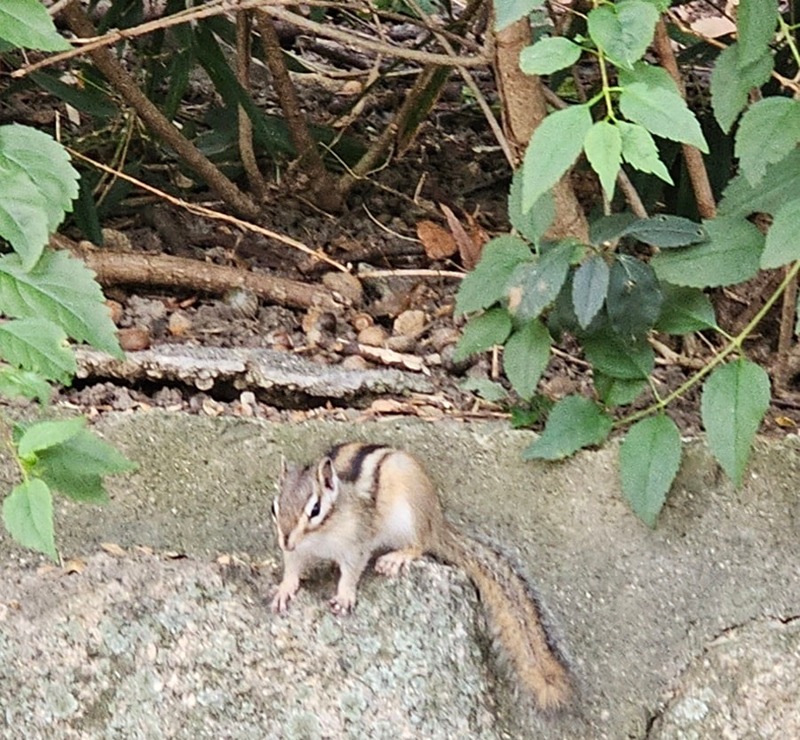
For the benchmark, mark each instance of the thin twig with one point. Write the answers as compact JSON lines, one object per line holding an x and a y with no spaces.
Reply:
{"x":695,"y":166}
{"x":413,"y":273}
{"x":210,"y":213}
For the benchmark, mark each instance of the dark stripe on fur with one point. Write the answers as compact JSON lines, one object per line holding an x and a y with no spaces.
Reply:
{"x":352,"y":471}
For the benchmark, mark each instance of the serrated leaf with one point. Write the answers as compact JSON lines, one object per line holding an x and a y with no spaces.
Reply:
{"x":685,"y":310}
{"x":663,"y":113}
{"x":634,"y":299}
{"x":76,"y":467}
{"x":37,"y":345}
{"x":525,"y":357}
{"x":487,"y":283}
{"x":608,"y":353}
{"x":63,"y":290}
{"x":535,"y":285}
{"x":27,"y":24}
{"x":44,"y":434}
{"x":731,"y":84}
{"x":615,"y":392}
{"x":589,"y":288}
{"x":40,"y":185}
{"x":485,"y":388}
{"x":741,"y":198}
{"x":534,"y":222}
{"x":768,"y":131}
{"x":755,"y":22}
{"x":553,"y":148}
{"x":649,"y":459}
{"x":575,"y":422}
{"x":549,"y":55}
{"x":667,"y":232}
{"x":782,"y":244}
{"x":483,"y":332}
{"x":507,"y":12}
{"x":603,"y":147}
{"x":735,"y":398}
{"x":15,"y":383}
{"x":623,"y":30}
{"x":639,"y":150}
{"x":731,"y":255}
{"x":28,"y":516}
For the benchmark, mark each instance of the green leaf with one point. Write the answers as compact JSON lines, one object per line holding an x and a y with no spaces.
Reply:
{"x":39,"y":187}
{"x":731,"y":84}
{"x":37,"y":345}
{"x":44,"y":434}
{"x":589,"y":288}
{"x":549,"y":55}
{"x":26,"y":23}
{"x":574,"y":423}
{"x":768,"y":131}
{"x":634,"y":297}
{"x":667,"y":232}
{"x":525,"y":357}
{"x":535,"y":285}
{"x":782,"y":245}
{"x":507,"y":12}
{"x":735,"y":398}
{"x":649,"y":459}
{"x":781,"y":181}
{"x":623,"y":30}
{"x":485,"y":388}
{"x":755,"y":22}
{"x":554,"y":146}
{"x":61,"y":289}
{"x":606,"y":230}
{"x":603,"y":147}
{"x":731,"y":255}
{"x":662,"y":112}
{"x":617,"y":391}
{"x":483,"y":332}
{"x":685,"y":310}
{"x":28,"y":516}
{"x":534,"y":222}
{"x":487,"y":283}
{"x":639,"y":150}
{"x":613,"y":356}
{"x":77,"y":466}
{"x":15,"y":383}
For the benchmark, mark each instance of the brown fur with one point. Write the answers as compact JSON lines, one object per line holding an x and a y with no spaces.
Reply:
{"x":386,"y":503}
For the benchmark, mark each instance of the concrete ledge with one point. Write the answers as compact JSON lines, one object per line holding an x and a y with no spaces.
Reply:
{"x":635,"y":609}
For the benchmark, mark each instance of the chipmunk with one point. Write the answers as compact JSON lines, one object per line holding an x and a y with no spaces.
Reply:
{"x":360,"y":500}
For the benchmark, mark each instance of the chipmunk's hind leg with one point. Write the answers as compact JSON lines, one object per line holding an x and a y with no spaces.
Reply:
{"x":395,"y":561}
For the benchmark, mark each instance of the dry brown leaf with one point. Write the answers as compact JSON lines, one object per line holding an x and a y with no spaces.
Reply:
{"x":478,"y":234}
{"x":74,"y":565}
{"x":436,"y":241}
{"x":134,"y":339}
{"x":113,"y":549}
{"x":469,"y":251}
{"x":391,"y":406}
{"x":392,"y":358}
{"x":785,"y":422}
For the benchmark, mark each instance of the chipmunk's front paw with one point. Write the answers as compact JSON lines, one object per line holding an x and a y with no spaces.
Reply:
{"x":284,"y":594}
{"x":342,"y":604}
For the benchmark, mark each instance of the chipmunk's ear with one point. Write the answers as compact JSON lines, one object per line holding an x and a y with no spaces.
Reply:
{"x":327,"y":478}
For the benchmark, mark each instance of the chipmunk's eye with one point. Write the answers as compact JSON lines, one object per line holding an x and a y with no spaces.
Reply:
{"x":314,"y":510}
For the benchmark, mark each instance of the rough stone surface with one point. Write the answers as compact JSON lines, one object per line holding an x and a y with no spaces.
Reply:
{"x":145,"y":647}
{"x":641,"y":613}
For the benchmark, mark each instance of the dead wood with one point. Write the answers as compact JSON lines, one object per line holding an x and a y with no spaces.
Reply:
{"x":130,"y":268}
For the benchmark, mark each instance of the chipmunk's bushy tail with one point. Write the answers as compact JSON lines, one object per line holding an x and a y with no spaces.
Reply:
{"x":515,"y":617}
